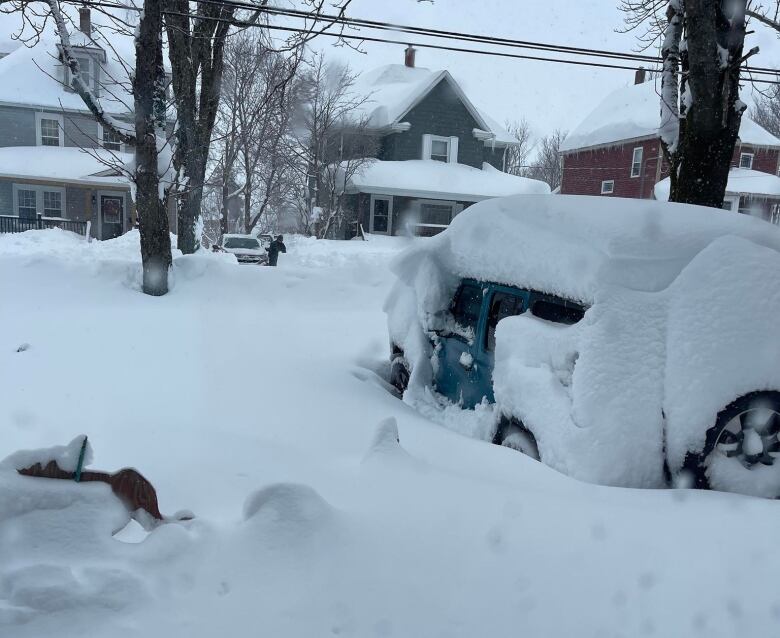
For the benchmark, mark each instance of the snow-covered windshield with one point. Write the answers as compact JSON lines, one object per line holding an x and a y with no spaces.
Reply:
{"x":241,"y":242}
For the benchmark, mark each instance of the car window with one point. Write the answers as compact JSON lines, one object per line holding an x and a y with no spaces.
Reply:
{"x":241,"y":242}
{"x":467,"y":305}
{"x":502,"y":305}
{"x":557,"y":310}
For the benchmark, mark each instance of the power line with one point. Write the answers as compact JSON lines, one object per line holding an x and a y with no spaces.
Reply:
{"x":422,"y":45}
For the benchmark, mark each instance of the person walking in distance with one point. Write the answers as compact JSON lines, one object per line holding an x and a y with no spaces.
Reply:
{"x":277,"y":246}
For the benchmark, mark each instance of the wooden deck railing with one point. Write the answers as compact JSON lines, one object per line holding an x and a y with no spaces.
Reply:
{"x":13,"y":224}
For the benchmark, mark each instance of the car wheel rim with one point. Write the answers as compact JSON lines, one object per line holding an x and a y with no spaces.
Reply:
{"x":751,"y":437}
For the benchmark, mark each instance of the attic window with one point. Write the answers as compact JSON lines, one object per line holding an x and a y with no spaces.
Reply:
{"x":746,"y":160}
{"x":440,"y":149}
{"x":88,"y":69}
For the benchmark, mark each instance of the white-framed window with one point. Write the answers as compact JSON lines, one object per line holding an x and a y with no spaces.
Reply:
{"x":89,"y":70}
{"x":636,"y":162}
{"x":440,"y":148}
{"x":49,"y":129}
{"x":746,"y":160}
{"x":433,"y":216}
{"x":608,"y":187}
{"x":109,"y":139}
{"x":33,"y":199}
{"x":381,"y":222}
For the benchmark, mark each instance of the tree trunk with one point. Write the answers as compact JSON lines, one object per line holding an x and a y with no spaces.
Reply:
{"x":709,"y":121}
{"x":149,"y":98}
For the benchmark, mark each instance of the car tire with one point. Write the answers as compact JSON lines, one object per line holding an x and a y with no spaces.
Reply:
{"x":512,"y":433}
{"x":399,"y":372}
{"x":742,"y":450}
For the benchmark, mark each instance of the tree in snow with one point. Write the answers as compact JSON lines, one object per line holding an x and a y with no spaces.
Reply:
{"x":702,"y":52}
{"x":766,"y":111}
{"x":196,"y":48}
{"x":148,"y":139}
{"x":253,"y":132}
{"x":547,"y":164}
{"x":334,"y":144}
{"x":516,"y":160}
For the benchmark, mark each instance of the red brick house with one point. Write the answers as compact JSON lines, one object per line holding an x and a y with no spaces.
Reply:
{"x":616,"y":151}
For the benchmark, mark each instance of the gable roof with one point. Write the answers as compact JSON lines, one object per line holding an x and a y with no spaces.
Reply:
{"x":634,"y":112}
{"x":395,"y":89}
{"x":33,"y":77}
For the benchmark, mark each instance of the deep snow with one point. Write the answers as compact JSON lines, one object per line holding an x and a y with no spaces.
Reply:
{"x":251,"y":396}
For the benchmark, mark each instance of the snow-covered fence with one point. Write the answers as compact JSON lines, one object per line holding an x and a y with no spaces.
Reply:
{"x":13,"y":224}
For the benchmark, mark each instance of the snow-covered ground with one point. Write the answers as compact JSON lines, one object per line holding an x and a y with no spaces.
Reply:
{"x":254,"y":397}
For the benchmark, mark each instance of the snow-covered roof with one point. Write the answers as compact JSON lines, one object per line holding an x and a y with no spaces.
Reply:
{"x":394,"y":89}
{"x":33,"y":76}
{"x":440,"y":180}
{"x":741,"y":182}
{"x":634,"y":112}
{"x":63,"y":164}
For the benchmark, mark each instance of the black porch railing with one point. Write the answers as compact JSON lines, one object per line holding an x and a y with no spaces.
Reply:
{"x":12,"y":224}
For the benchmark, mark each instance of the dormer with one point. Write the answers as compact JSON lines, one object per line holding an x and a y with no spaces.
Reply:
{"x":90,"y":55}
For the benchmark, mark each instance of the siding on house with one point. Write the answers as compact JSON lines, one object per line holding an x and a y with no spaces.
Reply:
{"x":6,"y":197}
{"x":17,"y":126}
{"x":440,"y":113}
{"x":764,"y":159}
{"x":584,"y":171}
{"x":81,"y":131}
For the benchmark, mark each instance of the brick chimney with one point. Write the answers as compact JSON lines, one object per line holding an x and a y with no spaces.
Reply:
{"x":409,"y":56}
{"x":85,"y":21}
{"x":639,"y":76}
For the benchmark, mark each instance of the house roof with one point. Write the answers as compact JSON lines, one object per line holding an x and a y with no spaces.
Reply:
{"x":70,"y":165}
{"x":439,"y":180}
{"x":32,"y":76}
{"x":394,"y":89}
{"x":741,"y":182}
{"x":633,"y":113}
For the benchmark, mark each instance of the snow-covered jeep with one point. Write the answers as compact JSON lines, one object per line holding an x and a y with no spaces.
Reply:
{"x":621,"y":342}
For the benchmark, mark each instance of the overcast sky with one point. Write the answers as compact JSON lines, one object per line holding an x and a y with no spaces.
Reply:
{"x":547,"y":95}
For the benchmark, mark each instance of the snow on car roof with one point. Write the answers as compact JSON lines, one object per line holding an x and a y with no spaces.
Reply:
{"x":64,"y":163}
{"x":575,"y":245}
{"x":633,"y":112}
{"x":429,"y":178}
{"x":742,"y":181}
{"x":392,"y":90}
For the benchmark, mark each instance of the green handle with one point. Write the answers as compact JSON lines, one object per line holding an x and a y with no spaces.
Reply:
{"x":77,"y":476}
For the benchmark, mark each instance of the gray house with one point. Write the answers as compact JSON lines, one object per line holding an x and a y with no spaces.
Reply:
{"x":58,"y":167}
{"x":437,"y":153}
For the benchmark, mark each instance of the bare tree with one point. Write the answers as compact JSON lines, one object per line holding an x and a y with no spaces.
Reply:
{"x":334,"y":145}
{"x":702,"y":52}
{"x":516,"y":162}
{"x":766,"y":111}
{"x":547,"y":164}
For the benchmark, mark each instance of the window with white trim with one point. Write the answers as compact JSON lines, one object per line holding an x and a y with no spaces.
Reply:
{"x":746,"y":160}
{"x":109,"y":139}
{"x":636,"y":162}
{"x":26,"y":203}
{"x":49,"y":129}
{"x":89,"y":69}
{"x":608,"y":187}
{"x":31,"y":200}
{"x":440,"y":148}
